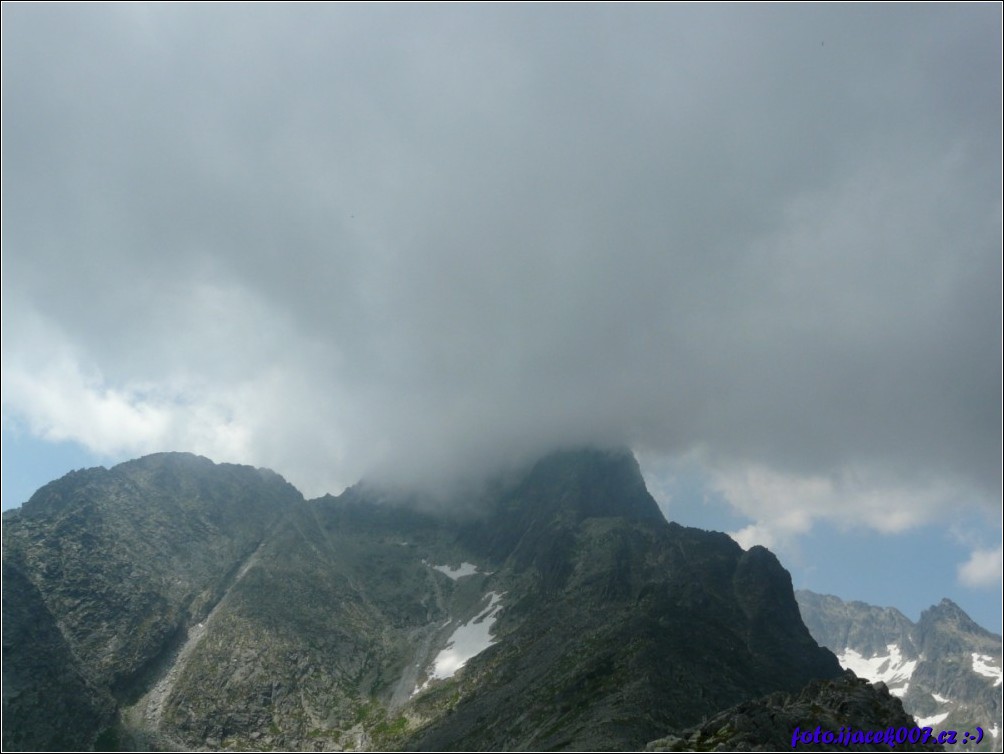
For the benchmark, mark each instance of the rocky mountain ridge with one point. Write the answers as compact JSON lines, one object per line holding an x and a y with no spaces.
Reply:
{"x":171,"y":603}
{"x":945,"y":667}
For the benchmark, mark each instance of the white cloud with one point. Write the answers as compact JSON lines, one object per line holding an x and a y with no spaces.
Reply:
{"x":785,"y":505}
{"x":983,"y":569}
{"x":264,"y":412}
{"x":65,"y":400}
{"x":60,"y":403}
{"x":755,"y":534}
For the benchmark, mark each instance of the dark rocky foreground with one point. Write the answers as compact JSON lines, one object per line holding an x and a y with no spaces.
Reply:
{"x":171,"y":603}
{"x":847,"y":707}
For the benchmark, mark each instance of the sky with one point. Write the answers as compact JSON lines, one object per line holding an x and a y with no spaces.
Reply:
{"x":759,"y":245}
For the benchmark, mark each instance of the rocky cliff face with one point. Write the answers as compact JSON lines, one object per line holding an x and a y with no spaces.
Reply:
{"x":116,"y":565}
{"x":49,"y":703}
{"x":187,"y":605}
{"x":945,"y":668}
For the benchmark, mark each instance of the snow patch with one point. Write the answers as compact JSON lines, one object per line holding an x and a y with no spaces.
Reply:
{"x":455,"y":572}
{"x":938,"y":698}
{"x":982,"y":665}
{"x":468,"y":640}
{"x":891,"y":669}
{"x":994,"y":732}
{"x":929,"y":722}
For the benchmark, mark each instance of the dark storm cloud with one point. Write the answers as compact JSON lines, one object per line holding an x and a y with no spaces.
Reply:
{"x":427,"y":238}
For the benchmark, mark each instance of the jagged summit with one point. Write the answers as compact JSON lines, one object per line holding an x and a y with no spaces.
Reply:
{"x":946,"y":615}
{"x":868,"y":629}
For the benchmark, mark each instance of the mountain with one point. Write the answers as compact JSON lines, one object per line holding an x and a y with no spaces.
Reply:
{"x":945,"y":668}
{"x":172,"y":603}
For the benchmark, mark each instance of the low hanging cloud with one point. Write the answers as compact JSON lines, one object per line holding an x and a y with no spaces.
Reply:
{"x":341,"y":240}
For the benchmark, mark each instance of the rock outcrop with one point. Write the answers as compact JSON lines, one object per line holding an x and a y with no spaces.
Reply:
{"x":842,"y":714}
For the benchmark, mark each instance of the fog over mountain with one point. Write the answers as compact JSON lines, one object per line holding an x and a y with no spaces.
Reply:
{"x":407,"y":243}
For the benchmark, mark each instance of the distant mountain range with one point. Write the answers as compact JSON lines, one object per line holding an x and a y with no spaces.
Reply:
{"x":172,"y":603}
{"x":945,"y":668}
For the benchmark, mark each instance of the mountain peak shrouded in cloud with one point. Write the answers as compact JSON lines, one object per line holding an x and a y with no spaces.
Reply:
{"x":417,"y":244}
{"x":190,"y":605}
